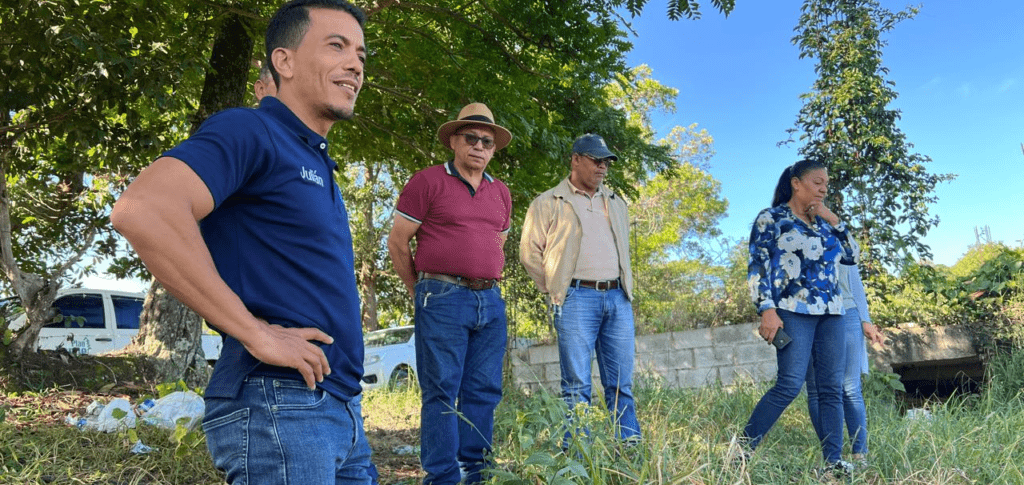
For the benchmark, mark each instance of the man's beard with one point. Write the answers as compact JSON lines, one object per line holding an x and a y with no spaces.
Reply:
{"x":340,"y":114}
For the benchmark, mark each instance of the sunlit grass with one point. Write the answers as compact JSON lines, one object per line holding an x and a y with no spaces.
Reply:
{"x":689,"y":438}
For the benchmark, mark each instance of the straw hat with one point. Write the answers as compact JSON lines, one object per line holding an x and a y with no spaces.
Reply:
{"x":474,"y":114}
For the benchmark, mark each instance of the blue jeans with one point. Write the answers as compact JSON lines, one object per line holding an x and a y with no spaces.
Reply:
{"x":821,"y":335}
{"x":853,"y":399}
{"x":593,"y":320}
{"x":279,"y":432}
{"x":460,"y":349}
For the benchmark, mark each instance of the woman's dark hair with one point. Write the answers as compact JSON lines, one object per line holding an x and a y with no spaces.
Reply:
{"x":290,"y":22}
{"x":784,"y":189}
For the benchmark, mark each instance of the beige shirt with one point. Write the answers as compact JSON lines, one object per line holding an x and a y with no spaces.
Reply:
{"x":598,"y":259}
{"x":552,"y":237}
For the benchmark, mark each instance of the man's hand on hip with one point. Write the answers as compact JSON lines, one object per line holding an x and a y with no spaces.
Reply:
{"x":292,"y":348}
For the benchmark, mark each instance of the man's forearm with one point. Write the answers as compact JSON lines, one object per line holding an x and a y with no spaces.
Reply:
{"x":401,"y":260}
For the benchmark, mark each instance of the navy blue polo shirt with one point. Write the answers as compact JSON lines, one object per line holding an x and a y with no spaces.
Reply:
{"x":279,"y":236}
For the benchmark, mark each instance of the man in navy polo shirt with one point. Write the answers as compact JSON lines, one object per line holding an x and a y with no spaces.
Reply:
{"x":243,"y":223}
{"x":460,"y":216}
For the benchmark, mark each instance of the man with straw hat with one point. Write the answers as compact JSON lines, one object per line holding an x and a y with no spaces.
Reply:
{"x":460,"y":216}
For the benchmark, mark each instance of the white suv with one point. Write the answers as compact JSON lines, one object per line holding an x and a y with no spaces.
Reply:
{"x":97,"y":321}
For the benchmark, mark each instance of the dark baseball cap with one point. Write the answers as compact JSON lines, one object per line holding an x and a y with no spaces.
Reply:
{"x":594,"y":147}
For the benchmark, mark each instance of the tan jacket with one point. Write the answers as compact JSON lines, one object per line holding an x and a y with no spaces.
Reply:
{"x":551,"y":241}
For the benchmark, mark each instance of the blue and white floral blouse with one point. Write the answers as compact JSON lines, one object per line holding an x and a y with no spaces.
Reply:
{"x":793,"y":266}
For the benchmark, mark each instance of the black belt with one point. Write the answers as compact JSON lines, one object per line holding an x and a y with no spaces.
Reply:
{"x":471,"y":283}
{"x":603,"y":285}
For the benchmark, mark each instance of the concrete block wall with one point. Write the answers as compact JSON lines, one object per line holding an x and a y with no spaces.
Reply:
{"x":688,"y":359}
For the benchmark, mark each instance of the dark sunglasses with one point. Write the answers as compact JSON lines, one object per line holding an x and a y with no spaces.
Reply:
{"x":471,"y":140}
{"x":607,"y":162}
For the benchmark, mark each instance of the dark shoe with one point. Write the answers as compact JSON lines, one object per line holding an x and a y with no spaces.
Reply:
{"x":837,"y":470}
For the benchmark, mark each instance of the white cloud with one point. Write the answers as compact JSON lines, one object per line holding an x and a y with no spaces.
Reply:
{"x":1006,"y":85}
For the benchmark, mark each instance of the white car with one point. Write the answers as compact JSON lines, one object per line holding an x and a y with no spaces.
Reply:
{"x":97,"y":321}
{"x":390,"y":358}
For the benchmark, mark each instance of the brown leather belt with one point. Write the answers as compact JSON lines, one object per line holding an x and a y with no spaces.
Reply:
{"x":603,"y":285}
{"x":471,"y":283}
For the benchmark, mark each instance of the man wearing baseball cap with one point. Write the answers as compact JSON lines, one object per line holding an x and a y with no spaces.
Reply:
{"x":460,"y":216}
{"x":575,"y":246}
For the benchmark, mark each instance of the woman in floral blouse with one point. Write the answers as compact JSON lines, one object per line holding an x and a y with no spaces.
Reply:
{"x":795,"y":246}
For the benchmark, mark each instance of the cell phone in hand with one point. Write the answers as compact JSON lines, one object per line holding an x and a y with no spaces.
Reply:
{"x":782,"y":339}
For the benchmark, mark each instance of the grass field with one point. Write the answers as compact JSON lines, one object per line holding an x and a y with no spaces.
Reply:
{"x":977,"y":439}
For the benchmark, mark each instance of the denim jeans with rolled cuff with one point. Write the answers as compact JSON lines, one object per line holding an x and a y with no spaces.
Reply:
{"x":821,"y":335}
{"x":460,"y":348}
{"x":598,"y":322}
{"x":278,"y":432}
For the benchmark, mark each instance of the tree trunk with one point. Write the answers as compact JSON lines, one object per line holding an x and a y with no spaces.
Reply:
{"x":168,"y":330}
{"x":370,"y":269}
{"x":37,"y":296}
{"x":36,"y":292}
{"x":171,"y":335}
{"x":369,"y":283}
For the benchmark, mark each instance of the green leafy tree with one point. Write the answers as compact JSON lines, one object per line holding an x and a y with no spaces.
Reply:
{"x":99,"y":89}
{"x":678,"y":9}
{"x":370,"y":195}
{"x":984,"y":291}
{"x":877,"y":181}
{"x":674,"y":219}
{"x":674,"y":215}
{"x":541,"y":68}
{"x":169,"y":332}
{"x":88,"y":89}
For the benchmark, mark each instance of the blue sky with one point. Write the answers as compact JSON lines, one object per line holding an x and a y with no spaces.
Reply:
{"x":958,"y":68}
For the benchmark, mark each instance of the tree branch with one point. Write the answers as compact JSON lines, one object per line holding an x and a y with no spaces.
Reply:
{"x":366,"y":122}
{"x":454,"y":15}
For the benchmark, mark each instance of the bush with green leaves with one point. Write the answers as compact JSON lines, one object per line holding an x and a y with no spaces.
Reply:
{"x":984,"y":290}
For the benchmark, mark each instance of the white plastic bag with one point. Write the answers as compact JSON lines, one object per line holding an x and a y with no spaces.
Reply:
{"x":101,"y":417}
{"x":177,"y":405}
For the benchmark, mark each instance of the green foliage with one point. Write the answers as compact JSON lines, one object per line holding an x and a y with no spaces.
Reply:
{"x":69,"y":320}
{"x":166,"y":388}
{"x":536,"y":435}
{"x":1005,"y":372}
{"x":993,"y":295}
{"x":86,"y":101}
{"x":685,"y":294}
{"x":187,"y":441}
{"x":876,"y":181}
{"x":913,"y":296}
{"x":678,"y":9}
{"x":983,"y":290}
{"x":679,"y":279}
{"x":96,"y":90}
{"x":882,"y":386}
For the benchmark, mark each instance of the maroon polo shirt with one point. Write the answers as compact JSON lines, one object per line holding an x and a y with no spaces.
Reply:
{"x":460,"y":228}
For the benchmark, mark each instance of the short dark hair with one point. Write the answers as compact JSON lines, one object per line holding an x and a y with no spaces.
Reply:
{"x":289,"y":25}
{"x":784,"y":189}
